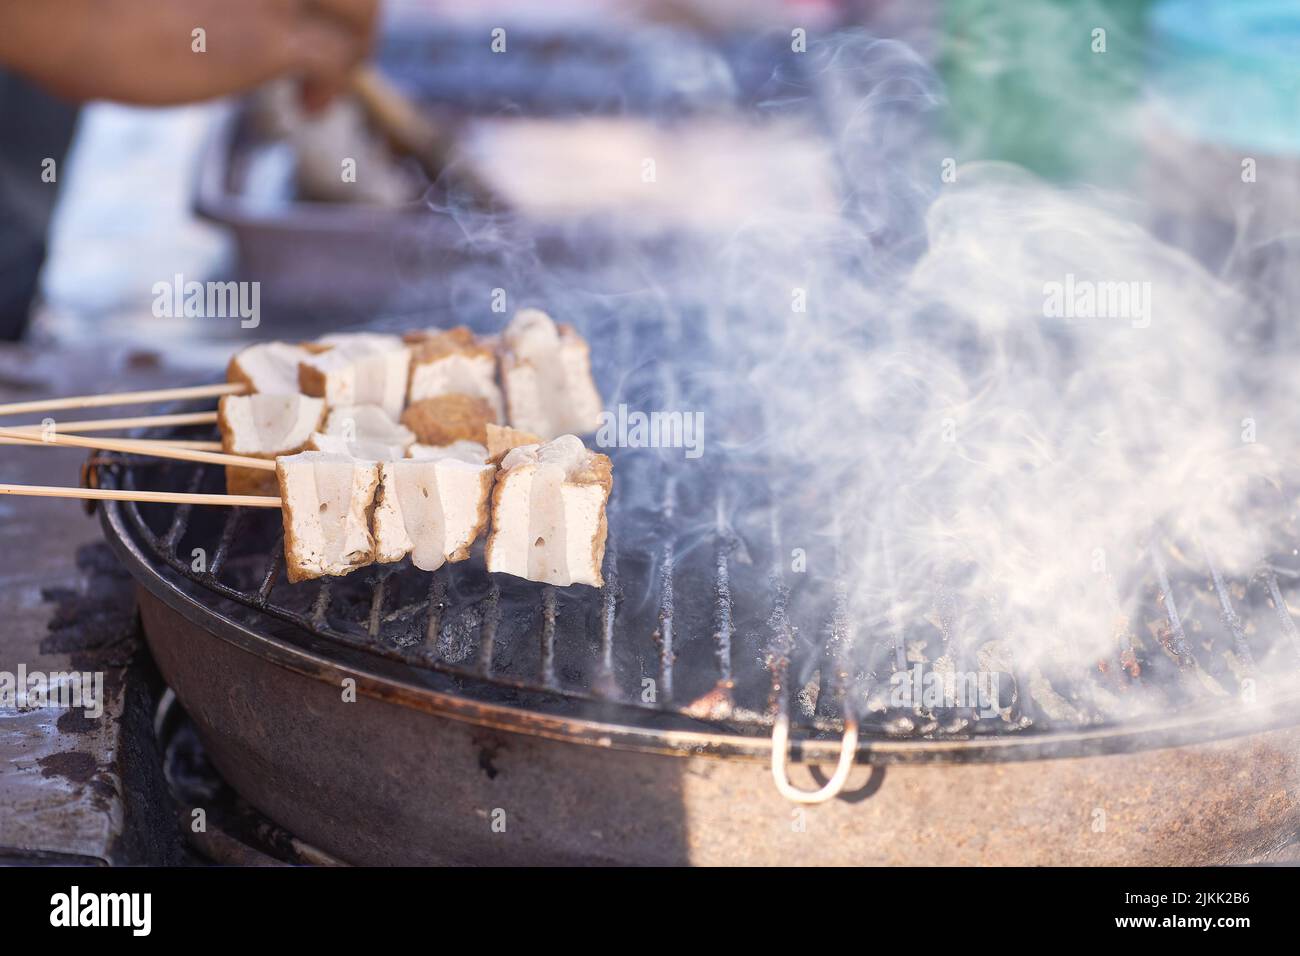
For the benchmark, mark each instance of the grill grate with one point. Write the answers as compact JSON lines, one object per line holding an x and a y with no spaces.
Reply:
{"x":702,"y":616}
{"x":451,"y":620}
{"x":709,"y":626}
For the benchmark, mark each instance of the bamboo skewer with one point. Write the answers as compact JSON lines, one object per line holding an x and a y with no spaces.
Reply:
{"x":136,"y":421}
{"x":124,"y":398}
{"x":144,"y":443}
{"x":138,"y":447}
{"x":115,"y":494}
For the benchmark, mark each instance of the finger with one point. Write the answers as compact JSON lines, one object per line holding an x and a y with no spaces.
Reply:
{"x":324,"y":54}
{"x":359,"y":15}
{"x":320,"y":50}
{"x":315,"y":95}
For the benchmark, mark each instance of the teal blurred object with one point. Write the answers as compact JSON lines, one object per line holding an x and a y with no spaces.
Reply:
{"x":1228,"y":73}
{"x":1026,"y":86}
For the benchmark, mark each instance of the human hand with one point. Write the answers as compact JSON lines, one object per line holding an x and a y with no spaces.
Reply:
{"x":147,"y":52}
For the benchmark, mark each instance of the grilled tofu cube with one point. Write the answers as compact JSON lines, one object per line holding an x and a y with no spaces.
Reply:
{"x":454,"y":362}
{"x":502,"y":438}
{"x":359,"y":369}
{"x":449,"y":418}
{"x":548,"y":513}
{"x":432,"y":508}
{"x":546,"y":371}
{"x":362,"y":431}
{"x":371,"y":426}
{"x":361,"y":449}
{"x":470,"y":451}
{"x":270,"y":368}
{"x":362,"y":341}
{"x":326,"y":503}
{"x":264,"y":426}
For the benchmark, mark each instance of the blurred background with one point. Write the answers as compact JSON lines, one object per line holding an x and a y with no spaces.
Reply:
{"x":1191,"y":108}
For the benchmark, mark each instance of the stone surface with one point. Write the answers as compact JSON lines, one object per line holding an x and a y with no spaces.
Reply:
{"x":73,"y":786}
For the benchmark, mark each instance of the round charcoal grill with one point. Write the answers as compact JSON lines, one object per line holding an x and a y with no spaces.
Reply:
{"x":397,"y":716}
{"x":394,"y":716}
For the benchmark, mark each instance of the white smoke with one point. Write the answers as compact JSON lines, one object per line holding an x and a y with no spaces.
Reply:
{"x":1007,"y":406}
{"x":1029,"y":468}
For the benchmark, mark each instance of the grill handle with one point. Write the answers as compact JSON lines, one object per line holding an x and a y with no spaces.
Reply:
{"x":781,"y":755}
